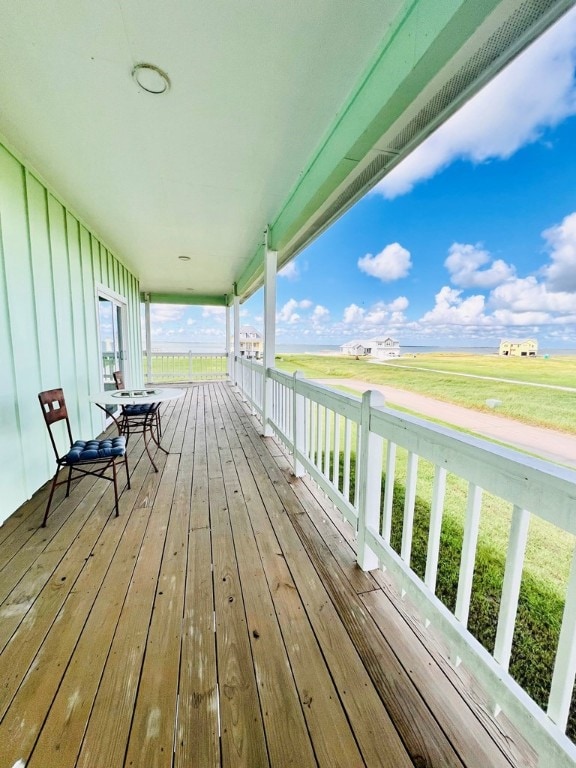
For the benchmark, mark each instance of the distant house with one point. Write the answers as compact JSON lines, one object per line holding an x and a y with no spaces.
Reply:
{"x":379,"y":348}
{"x":251,"y":341}
{"x":518,"y":347}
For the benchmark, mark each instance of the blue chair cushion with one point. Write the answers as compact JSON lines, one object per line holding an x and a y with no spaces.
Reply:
{"x":96,"y":449}
{"x":138,"y":410}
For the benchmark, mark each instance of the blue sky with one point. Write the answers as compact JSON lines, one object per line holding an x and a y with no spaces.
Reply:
{"x":469,"y":240}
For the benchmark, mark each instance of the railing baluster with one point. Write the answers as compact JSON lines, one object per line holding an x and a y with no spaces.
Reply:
{"x":369,"y":480}
{"x":511,"y":585}
{"x":389,"y":491}
{"x":468,"y":557}
{"x":327,"y":435}
{"x":346,"y":467}
{"x":336,"y":452}
{"x":565,"y":665}
{"x":409,"y":504}
{"x":436,"y":511}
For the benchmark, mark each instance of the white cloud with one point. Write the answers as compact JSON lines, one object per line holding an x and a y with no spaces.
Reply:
{"x":288,"y":312}
{"x":451,"y":309}
{"x":561,"y":273}
{"x":353,"y":314}
{"x":214,"y":312}
{"x":290,"y":271}
{"x":392,"y":263}
{"x":320,"y":313}
{"x":165,"y":313}
{"x":464,"y":264}
{"x":527,"y":295}
{"x":535,"y":91}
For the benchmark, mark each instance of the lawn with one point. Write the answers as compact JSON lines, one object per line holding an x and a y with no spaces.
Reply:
{"x":539,"y":406}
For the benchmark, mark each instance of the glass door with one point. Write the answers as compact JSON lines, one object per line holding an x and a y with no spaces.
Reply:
{"x":111,"y":329}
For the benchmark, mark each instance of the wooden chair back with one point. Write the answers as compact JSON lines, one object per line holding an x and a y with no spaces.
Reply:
{"x":119,"y":380}
{"x":54,"y":409}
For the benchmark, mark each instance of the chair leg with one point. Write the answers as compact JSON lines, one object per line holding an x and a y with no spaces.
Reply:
{"x":48,"y":505}
{"x":69,"y":481}
{"x":127,"y":470}
{"x":115,"y":480}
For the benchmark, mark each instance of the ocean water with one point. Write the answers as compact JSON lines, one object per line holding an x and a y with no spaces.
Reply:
{"x":323,"y":349}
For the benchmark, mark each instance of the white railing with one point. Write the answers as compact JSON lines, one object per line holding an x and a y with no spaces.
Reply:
{"x":185,"y":366}
{"x":347,"y":445}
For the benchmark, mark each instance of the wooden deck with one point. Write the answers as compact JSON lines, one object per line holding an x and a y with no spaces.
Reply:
{"x":219,"y":621}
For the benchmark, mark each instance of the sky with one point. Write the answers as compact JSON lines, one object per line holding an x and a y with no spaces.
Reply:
{"x":470,"y":240}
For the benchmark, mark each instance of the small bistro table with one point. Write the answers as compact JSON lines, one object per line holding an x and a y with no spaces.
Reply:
{"x":138,"y":396}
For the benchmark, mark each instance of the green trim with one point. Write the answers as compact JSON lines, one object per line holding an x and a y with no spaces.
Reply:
{"x":185,"y":298}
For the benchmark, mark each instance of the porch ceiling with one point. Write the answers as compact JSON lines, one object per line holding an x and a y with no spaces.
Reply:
{"x":278,"y":114}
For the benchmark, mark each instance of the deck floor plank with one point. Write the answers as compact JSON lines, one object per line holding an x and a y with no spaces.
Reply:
{"x":242,"y":728}
{"x":219,"y":622}
{"x":363,"y":705}
{"x":286,"y":733}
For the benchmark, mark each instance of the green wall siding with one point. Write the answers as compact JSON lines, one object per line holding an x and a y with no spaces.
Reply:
{"x":50,"y":265}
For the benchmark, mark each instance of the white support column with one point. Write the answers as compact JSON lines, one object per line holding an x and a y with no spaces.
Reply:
{"x":148,"y":339}
{"x":369,"y":478}
{"x":270,"y":269}
{"x":228,"y":355}
{"x":236,"y":354}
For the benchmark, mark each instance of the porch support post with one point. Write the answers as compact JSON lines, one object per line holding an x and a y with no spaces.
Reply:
{"x":369,"y":480}
{"x":270,"y":269}
{"x":236,"y":351}
{"x":148,"y":339}
{"x":228,"y":355}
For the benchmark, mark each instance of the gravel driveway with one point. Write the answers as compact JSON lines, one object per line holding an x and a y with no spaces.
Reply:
{"x":539,"y":441}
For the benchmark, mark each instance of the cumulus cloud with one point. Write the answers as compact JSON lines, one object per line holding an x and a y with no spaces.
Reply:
{"x":392,"y":263}
{"x":464,"y":264}
{"x":288,"y":312}
{"x":527,"y":295}
{"x":353,"y":314}
{"x":561,"y":273}
{"x":535,"y":91}
{"x":320,"y":313}
{"x":165,"y":313}
{"x":290,"y":271}
{"x":452,"y":309}
{"x":214,"y":312}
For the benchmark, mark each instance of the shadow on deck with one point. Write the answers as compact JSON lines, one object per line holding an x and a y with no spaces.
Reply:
{"x":219,"y":621}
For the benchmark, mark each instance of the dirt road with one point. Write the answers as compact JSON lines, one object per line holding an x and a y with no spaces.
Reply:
{"x":539,"y":441}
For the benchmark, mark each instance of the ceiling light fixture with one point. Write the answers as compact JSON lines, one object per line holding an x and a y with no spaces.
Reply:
{"x":151,"y":78}
{"x":184,"y":258}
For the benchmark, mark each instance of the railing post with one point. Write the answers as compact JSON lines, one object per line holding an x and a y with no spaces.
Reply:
{"x":298,"y":426}
{"x":189,"y":365}
{"x":369,"y":480}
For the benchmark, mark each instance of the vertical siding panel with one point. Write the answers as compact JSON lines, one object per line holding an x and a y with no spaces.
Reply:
{"x":11,"y":467}
{"x":28,"y":443}
{"x":63,"y":302}
{"x":78,"y":322}
{"x":90,"y":325}
{"x":43,"y":284}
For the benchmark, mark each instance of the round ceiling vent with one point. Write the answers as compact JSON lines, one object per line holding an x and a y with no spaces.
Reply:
{"x":151,"y":78}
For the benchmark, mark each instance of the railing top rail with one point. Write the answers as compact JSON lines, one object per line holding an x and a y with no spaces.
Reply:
{"x":545,"y":489}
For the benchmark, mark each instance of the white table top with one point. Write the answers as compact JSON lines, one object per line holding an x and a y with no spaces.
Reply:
{"x":142,"y":396}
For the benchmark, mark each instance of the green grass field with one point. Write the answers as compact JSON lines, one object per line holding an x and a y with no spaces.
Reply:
{"x":555,"y":409}
{"x":549,"y":550}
